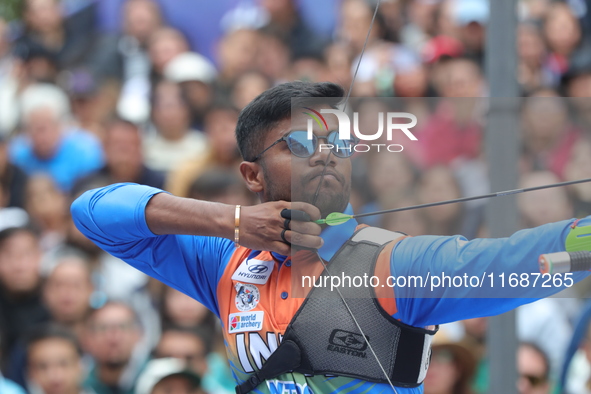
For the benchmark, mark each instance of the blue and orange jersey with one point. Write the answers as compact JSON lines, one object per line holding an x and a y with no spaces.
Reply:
{"x":253,"y":293}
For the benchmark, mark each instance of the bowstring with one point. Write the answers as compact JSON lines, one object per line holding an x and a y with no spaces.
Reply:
{"x":316,"y":194}
{"x":347,"y":97}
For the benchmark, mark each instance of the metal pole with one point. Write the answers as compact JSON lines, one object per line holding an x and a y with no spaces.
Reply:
{"x":502,"y":152}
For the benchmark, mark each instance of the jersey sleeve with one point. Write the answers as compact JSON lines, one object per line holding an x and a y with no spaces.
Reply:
{"x":113,"y":217}
{"x":450,"y":278}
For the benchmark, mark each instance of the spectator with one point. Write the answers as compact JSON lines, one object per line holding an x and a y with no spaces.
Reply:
{"x":475,"y":339}
{"x":248,"y":86}
{"x":274,"y":58}
{"x":186,"y":345}
{"x":10,"y":216}
{"x":112,"y":333}
{"x":194,"y":347}
{"x":440,"y":184}
{"x":237,"y":55}
{"x":548,"y":135}
{"x":420,"y":26}
{"x":21,"y":307}
{"x":124,"y":158}
{"x":471,"y":17}
{"x":165,"y":44}
{"x":54,"y":364}
{"x":12,"y":178}
{"x":174,"y":140}
{"x":451,"y":368}
{"x":221,"y":185}
{"x":575,"y":376}
{"x":47,"y":30}
{"x":286,"y":23}
{"x":562,"y":32}
{"x":180,"y":310}
{"x":338,"y":58}
{"x":7,"y":386}
{"x":47,"y":145}
{"x":90,"y":98}
{"x":140,"y":19}
{"x":220,"y":124}
{"x":6,"y":58}
{"x":195,"y":75}
{"x":47,"y":207}
{"x":67,"y":293}
{"x":168,"y":375}
{"x":534,"y":370}
{"x":12,"y":184}
{"x":453,"y":132}
{"x":533,"y":73}
{"x":579,"y":167}
{"x":577,"y":85}
{"x":543,"y":206}
{"x":356,"y":18}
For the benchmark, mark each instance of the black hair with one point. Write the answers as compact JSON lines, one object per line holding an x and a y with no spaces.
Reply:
{"x":213,"y":183}
{"x":9,"y":232}
{"x":202,"y":334}
{"x":273,"y":106}
{"x":53,"y":331}
{"x":221,"y":105}
{"x":116,"y":120}
{"x":134,"y":315}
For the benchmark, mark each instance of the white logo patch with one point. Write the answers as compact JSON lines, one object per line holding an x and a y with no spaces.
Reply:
{"x":245,"y":321}
{"x":247,"y":296}
{"x":254,"y":271}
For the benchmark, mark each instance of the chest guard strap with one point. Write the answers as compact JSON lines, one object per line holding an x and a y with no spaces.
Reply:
{"x":322,"y":338}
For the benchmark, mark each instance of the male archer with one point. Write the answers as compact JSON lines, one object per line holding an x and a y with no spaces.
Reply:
{"x":364,"y":340}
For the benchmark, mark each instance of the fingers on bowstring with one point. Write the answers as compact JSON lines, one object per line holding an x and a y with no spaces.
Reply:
{"x":309,"y":228}
{"x":295,"y":214}
{"x":304,"y":212}
{"x":306,"y":240}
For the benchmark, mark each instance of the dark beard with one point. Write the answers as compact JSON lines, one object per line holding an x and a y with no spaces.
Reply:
{"x":327,"y":201}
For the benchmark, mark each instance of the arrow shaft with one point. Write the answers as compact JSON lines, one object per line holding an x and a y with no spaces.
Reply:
{"x":464,"y":199}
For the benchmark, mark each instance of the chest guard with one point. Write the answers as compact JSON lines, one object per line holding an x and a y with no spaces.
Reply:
{"x":322,"y":337}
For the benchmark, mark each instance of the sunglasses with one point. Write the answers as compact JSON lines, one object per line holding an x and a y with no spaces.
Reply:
{"x":534,"y":381}
{"x":301,"y":146}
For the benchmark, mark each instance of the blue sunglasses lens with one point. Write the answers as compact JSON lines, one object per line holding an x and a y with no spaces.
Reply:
{"x":301,"y":146}
{"x":342,"y":148}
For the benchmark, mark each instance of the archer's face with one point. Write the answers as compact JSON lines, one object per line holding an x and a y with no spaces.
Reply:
{"x":291,"y":178}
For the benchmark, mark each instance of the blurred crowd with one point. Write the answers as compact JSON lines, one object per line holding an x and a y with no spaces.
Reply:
{"x":81,"y":108}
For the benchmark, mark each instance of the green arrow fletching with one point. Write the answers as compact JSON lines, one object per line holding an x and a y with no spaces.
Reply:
{"x":334,"y":219}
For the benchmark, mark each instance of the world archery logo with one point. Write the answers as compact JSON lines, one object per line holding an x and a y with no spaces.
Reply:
{"x":345,"y":129}
{"x":234,"y":322}
{"x":245,"y":321}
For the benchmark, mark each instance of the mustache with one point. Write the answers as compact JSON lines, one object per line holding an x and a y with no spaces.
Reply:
{"x":308,"y":178}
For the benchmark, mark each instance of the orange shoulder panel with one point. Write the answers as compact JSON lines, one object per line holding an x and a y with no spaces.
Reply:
{"x":385,"y":295}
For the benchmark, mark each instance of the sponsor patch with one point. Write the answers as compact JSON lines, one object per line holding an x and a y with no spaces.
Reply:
{"x":247,"y":296}
{"x":245,"y":321}
{"x":347,"y":342}
{"x":254,"y":271}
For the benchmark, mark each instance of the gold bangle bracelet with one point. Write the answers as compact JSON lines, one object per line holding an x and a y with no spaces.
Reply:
{"x":237,"y":227}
